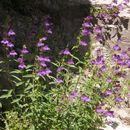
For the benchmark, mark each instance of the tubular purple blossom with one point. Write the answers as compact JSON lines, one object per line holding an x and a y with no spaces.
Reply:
{"x":4,"y":41}
{"x":22,"y":66}
{"x":11,"y":33}
{"x":85,"y":98}
{"x":83,"y":43}
{"x":70,"y":62}
{"x":13,"y":53}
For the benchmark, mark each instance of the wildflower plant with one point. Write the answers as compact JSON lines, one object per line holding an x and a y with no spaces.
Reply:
{"x":68,"y":94}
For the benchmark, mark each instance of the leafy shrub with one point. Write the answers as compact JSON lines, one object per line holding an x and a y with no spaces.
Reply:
{"x":68,"y":94}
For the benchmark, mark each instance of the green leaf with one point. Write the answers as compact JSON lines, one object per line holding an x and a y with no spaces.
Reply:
{"x":16,"y":72}
{"x":19,"y":84}
{"x":9,"y":94}
{"x":28,"y":88}
{"x":32,"y":127}
{"x":29,"y":76}
{"x":15,"y":100}
{"x":29,"y":66}
{"x":16,"y":77}
{"x":0,"y":105}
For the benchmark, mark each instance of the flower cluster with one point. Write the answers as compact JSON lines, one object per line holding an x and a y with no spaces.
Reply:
{"x":8,"y":43}
{"x":42,"y":46}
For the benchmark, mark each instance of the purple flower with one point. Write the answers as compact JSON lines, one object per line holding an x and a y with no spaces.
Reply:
{"x":86,"y":24}
{"x":116,"y":47}
{"x":99,"y":110}
{"x":24,"y":51}
{"x":43,"y":39}
{"x":116,"y":57}
{"x":108,"y":92}
{"x":119,"y":99}
{"x":10,"y":45}
{"x":86,"y":32}
{"x":70,"y":62}
{"x":43,"y":64}
{"x":49,"y":31}
{"x":45,"y":59}
{"x":89,"y":18}
{"x":22,"y":66}
{"x":20,"y":60}
{"x":73,"y":95}
{"x":65,"y":52}
{"x":128,"y":49}
{"x":109,"y":80}
{"x":102,"y":68}
{"x":85,"y":98}
{"x":115,"y":1}
{"x":59,"y":69}
{"x":13,"y":53}
{"x":99,"y":38}
{"x":99,"y":60}
{"x":11,"y":33}
{"x":45,"y":48}
{"x":44,"y":72}
{"x":46,"y":24}
{"x":126,"y":1}
{"x":83,"y":43}
{"x":59,"y":81}
{"x":40,"y":44}
{"x":124,"y":54}
{"x":121,"y":62}
{"x":120,"y":7}
{"x":121,"y":74}
{"x":98,"y":29}
{"x":129,"y":95}
{"x":128,"y":63}
{"x":109,"y":113}
{"x":5,"y":41}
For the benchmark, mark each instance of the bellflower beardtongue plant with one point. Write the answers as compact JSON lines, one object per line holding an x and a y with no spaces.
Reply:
{"x":86,"y":32}
{"x":43,"y":39}
{"x":43,"y":59}
{"x":86,"y":24}
{"x":73,"y":95}
{"x":85,"y":98}
{"x":21,"y":63}
{"x":13,"y":53}
{"x":70,"y":62}
{"x":44,"y":72}
{"x":11,"y":33}
{"x":45,"y":48}
{"x":109,"y":80}
{"x":43,"y":64}
{"x":24,"y":50}
{"x":65,"y":52}
{"x":10,"y":45}
{"x":98,"y":29}
{"x":5,"y":41}
{"x":99,"y":110}
{"x":83,"y":43}
{"x":48,"y":24}
{"x":40,"y":44}
{"x":109,"y":113}
{"x":59,"y":81}
{"x":117,"y":47}
{"x":22,"y":66}
{"x":108,"y":92}
{"x":119,"y":99}
{"x":59,"y":69}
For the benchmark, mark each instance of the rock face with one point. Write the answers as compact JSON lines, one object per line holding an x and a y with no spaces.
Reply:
{"x":64,"y":12}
